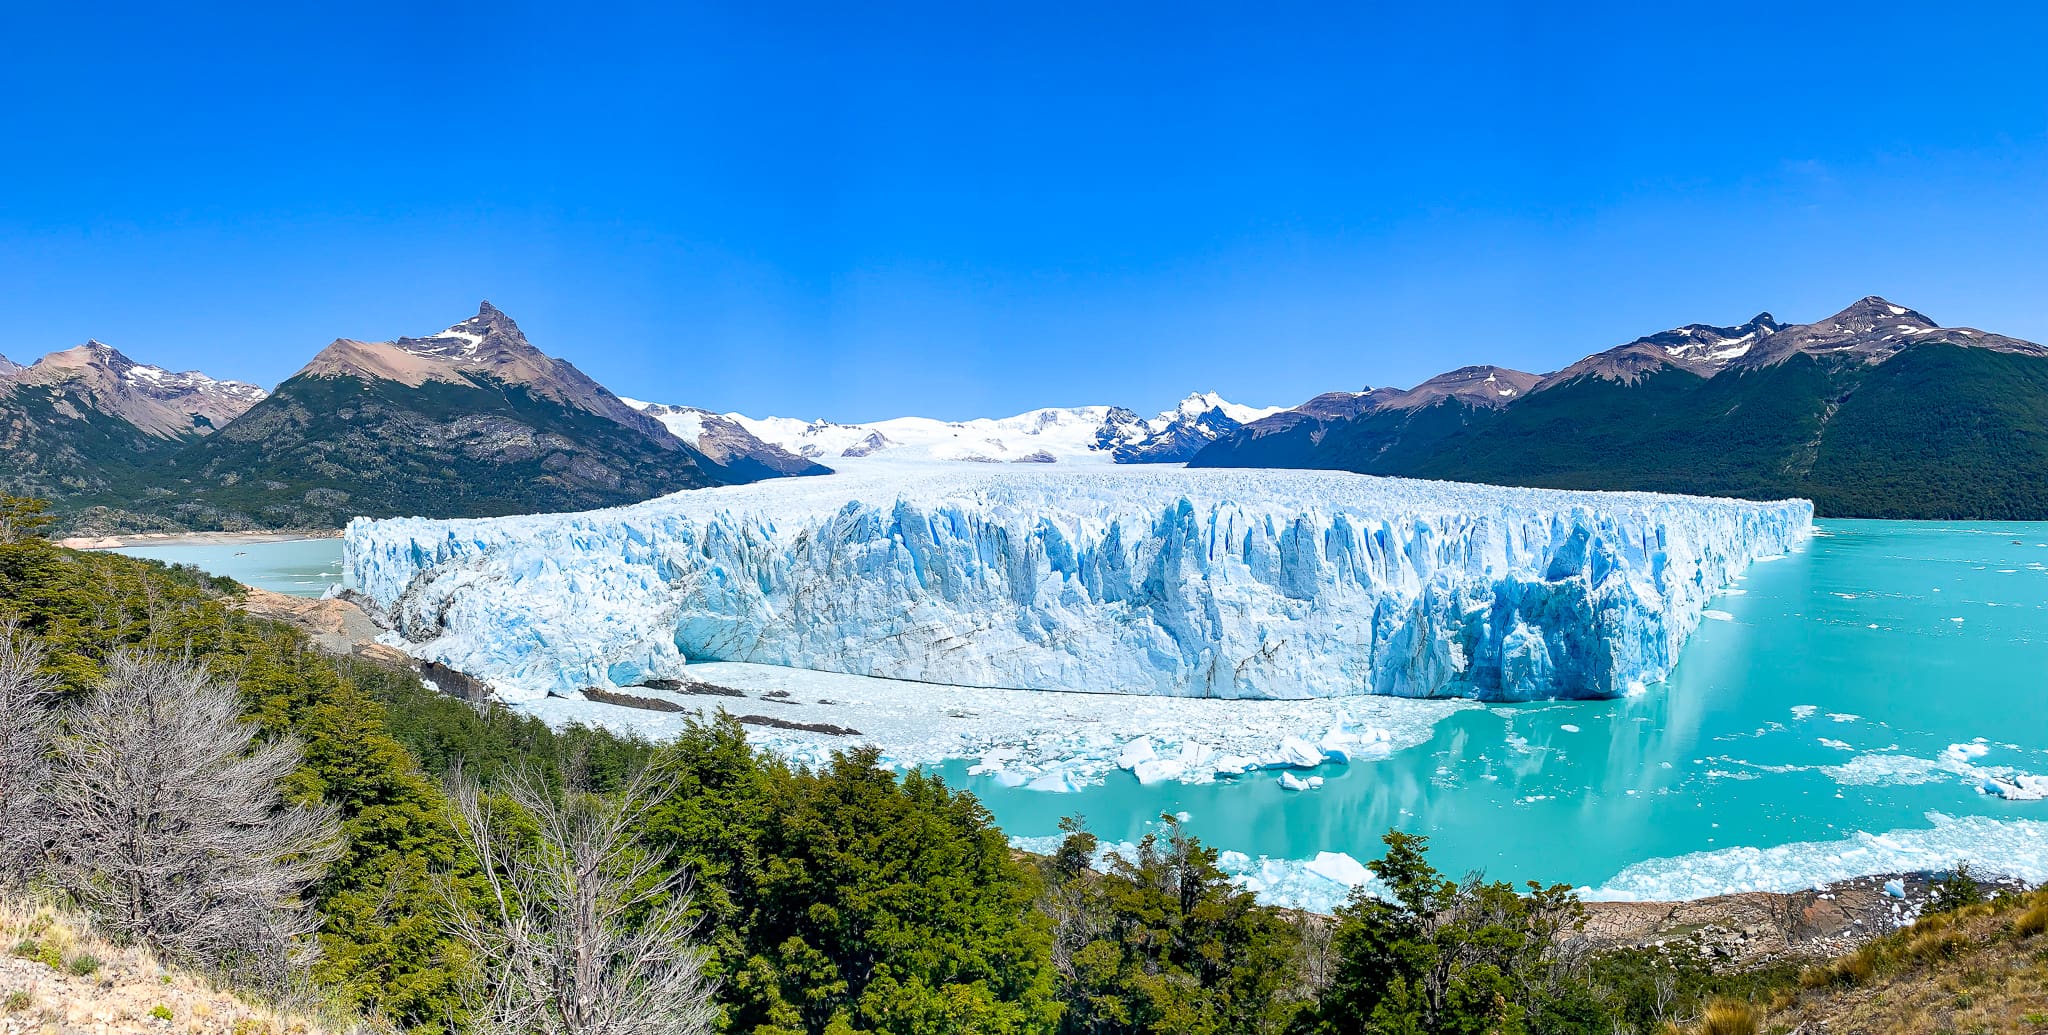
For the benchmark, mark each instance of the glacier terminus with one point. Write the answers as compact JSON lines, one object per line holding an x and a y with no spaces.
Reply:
{"x":1160,"y":581}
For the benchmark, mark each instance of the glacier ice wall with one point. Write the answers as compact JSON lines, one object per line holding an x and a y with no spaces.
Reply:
{"x":1217,"y":583}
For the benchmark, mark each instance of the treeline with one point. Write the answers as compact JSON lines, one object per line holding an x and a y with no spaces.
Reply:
{"x":441,"y":868}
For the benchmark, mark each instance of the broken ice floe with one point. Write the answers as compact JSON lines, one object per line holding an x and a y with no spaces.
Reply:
{"x":1039,"y":740}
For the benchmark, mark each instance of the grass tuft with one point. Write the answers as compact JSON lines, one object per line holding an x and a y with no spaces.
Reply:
{"x":1929,"y":946}
{"x":2032,"y":922}
{"x":1728,"y":1017}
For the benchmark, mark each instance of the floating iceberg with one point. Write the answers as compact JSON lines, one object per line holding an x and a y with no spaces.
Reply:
{"x":1197,"y":583}
{"x":2006,"y":848}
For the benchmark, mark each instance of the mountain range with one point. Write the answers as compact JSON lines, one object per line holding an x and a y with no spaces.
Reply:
{"x":470,"y":421}
{"x":1876,"y":411}
{"x":1076,"y":434}
{"x":89,"y":419}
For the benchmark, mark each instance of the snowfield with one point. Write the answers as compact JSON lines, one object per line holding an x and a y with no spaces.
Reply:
{"x":1064,"y":435}
{"x":1129,"y":580}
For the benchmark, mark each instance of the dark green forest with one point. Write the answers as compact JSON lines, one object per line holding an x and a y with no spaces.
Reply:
{"x":1935,"y":432}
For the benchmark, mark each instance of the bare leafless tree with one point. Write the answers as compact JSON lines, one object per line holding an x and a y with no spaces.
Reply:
{"x":583,"y":930}
{"x":25,"y":730}
{"x":171,"y":826}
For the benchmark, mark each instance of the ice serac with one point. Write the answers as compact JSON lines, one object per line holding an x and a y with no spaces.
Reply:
{"x":1211,"y":583}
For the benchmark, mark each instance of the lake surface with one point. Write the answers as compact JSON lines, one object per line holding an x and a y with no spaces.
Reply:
{"x":1840,"y":689}
{"x":297,"y":567}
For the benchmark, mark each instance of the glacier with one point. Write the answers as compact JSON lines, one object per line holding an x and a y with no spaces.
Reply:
{"x":1161,"y":581}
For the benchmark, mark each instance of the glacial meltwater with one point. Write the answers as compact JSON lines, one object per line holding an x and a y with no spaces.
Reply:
{"x":1869,"y":683}
{"x":1841,"y":711}
{"x":295,"y":567}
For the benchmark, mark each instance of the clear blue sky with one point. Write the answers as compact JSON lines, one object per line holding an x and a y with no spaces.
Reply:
{"x":970,"y":209}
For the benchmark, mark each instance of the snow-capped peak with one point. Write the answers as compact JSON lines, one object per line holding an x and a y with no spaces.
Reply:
{"x":1054,"y":434}
{"x":458,"y":342}
{"x":160,"y":379}
{"x":464,"y":341}
{"x":158,"y":401}
{"x":1198,"y":403}
{"x":106,"y":361}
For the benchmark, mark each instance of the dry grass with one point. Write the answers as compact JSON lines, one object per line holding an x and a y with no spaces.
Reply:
{"x":57,"y":976}
{"x":1728,"y":1017}
{"x":1983,"y":968}
{"x":2032,"y":922}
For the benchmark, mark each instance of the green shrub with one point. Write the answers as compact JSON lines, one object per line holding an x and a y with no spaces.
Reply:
{"x":1954,"y":890}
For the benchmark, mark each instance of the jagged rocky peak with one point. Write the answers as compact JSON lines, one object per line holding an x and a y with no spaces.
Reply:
{"x":490,"y":329}
{"x":1874,"y":329}
{"x":1178,"y":434}
{"x":1871,"y":313}
{"x":161,"y":402}
{"x":1700,"y":348}
{"x":489,"y":342}
{"x":1120,"y":426}
{"x":1708,"y":345}
{"x":486,"y":348}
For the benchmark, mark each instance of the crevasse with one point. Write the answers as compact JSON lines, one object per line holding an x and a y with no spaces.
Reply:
{"x":1234,"y":584}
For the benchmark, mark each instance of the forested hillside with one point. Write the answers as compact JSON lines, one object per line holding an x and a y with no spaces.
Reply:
{"x":1874,"y":412}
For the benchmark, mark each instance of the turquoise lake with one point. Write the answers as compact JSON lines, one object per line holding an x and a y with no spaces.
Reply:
{"x":298,"y":567}
{"x":1917,"y":636}
{"x":1819,"y":701}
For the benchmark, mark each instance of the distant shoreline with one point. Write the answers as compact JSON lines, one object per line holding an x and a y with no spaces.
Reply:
{"x":116,"y":542}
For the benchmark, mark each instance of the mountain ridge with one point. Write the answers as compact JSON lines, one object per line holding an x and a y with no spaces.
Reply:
{"x":160,"y":402}
{"x":473,"y":420}
{"x":1875,"y":411}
